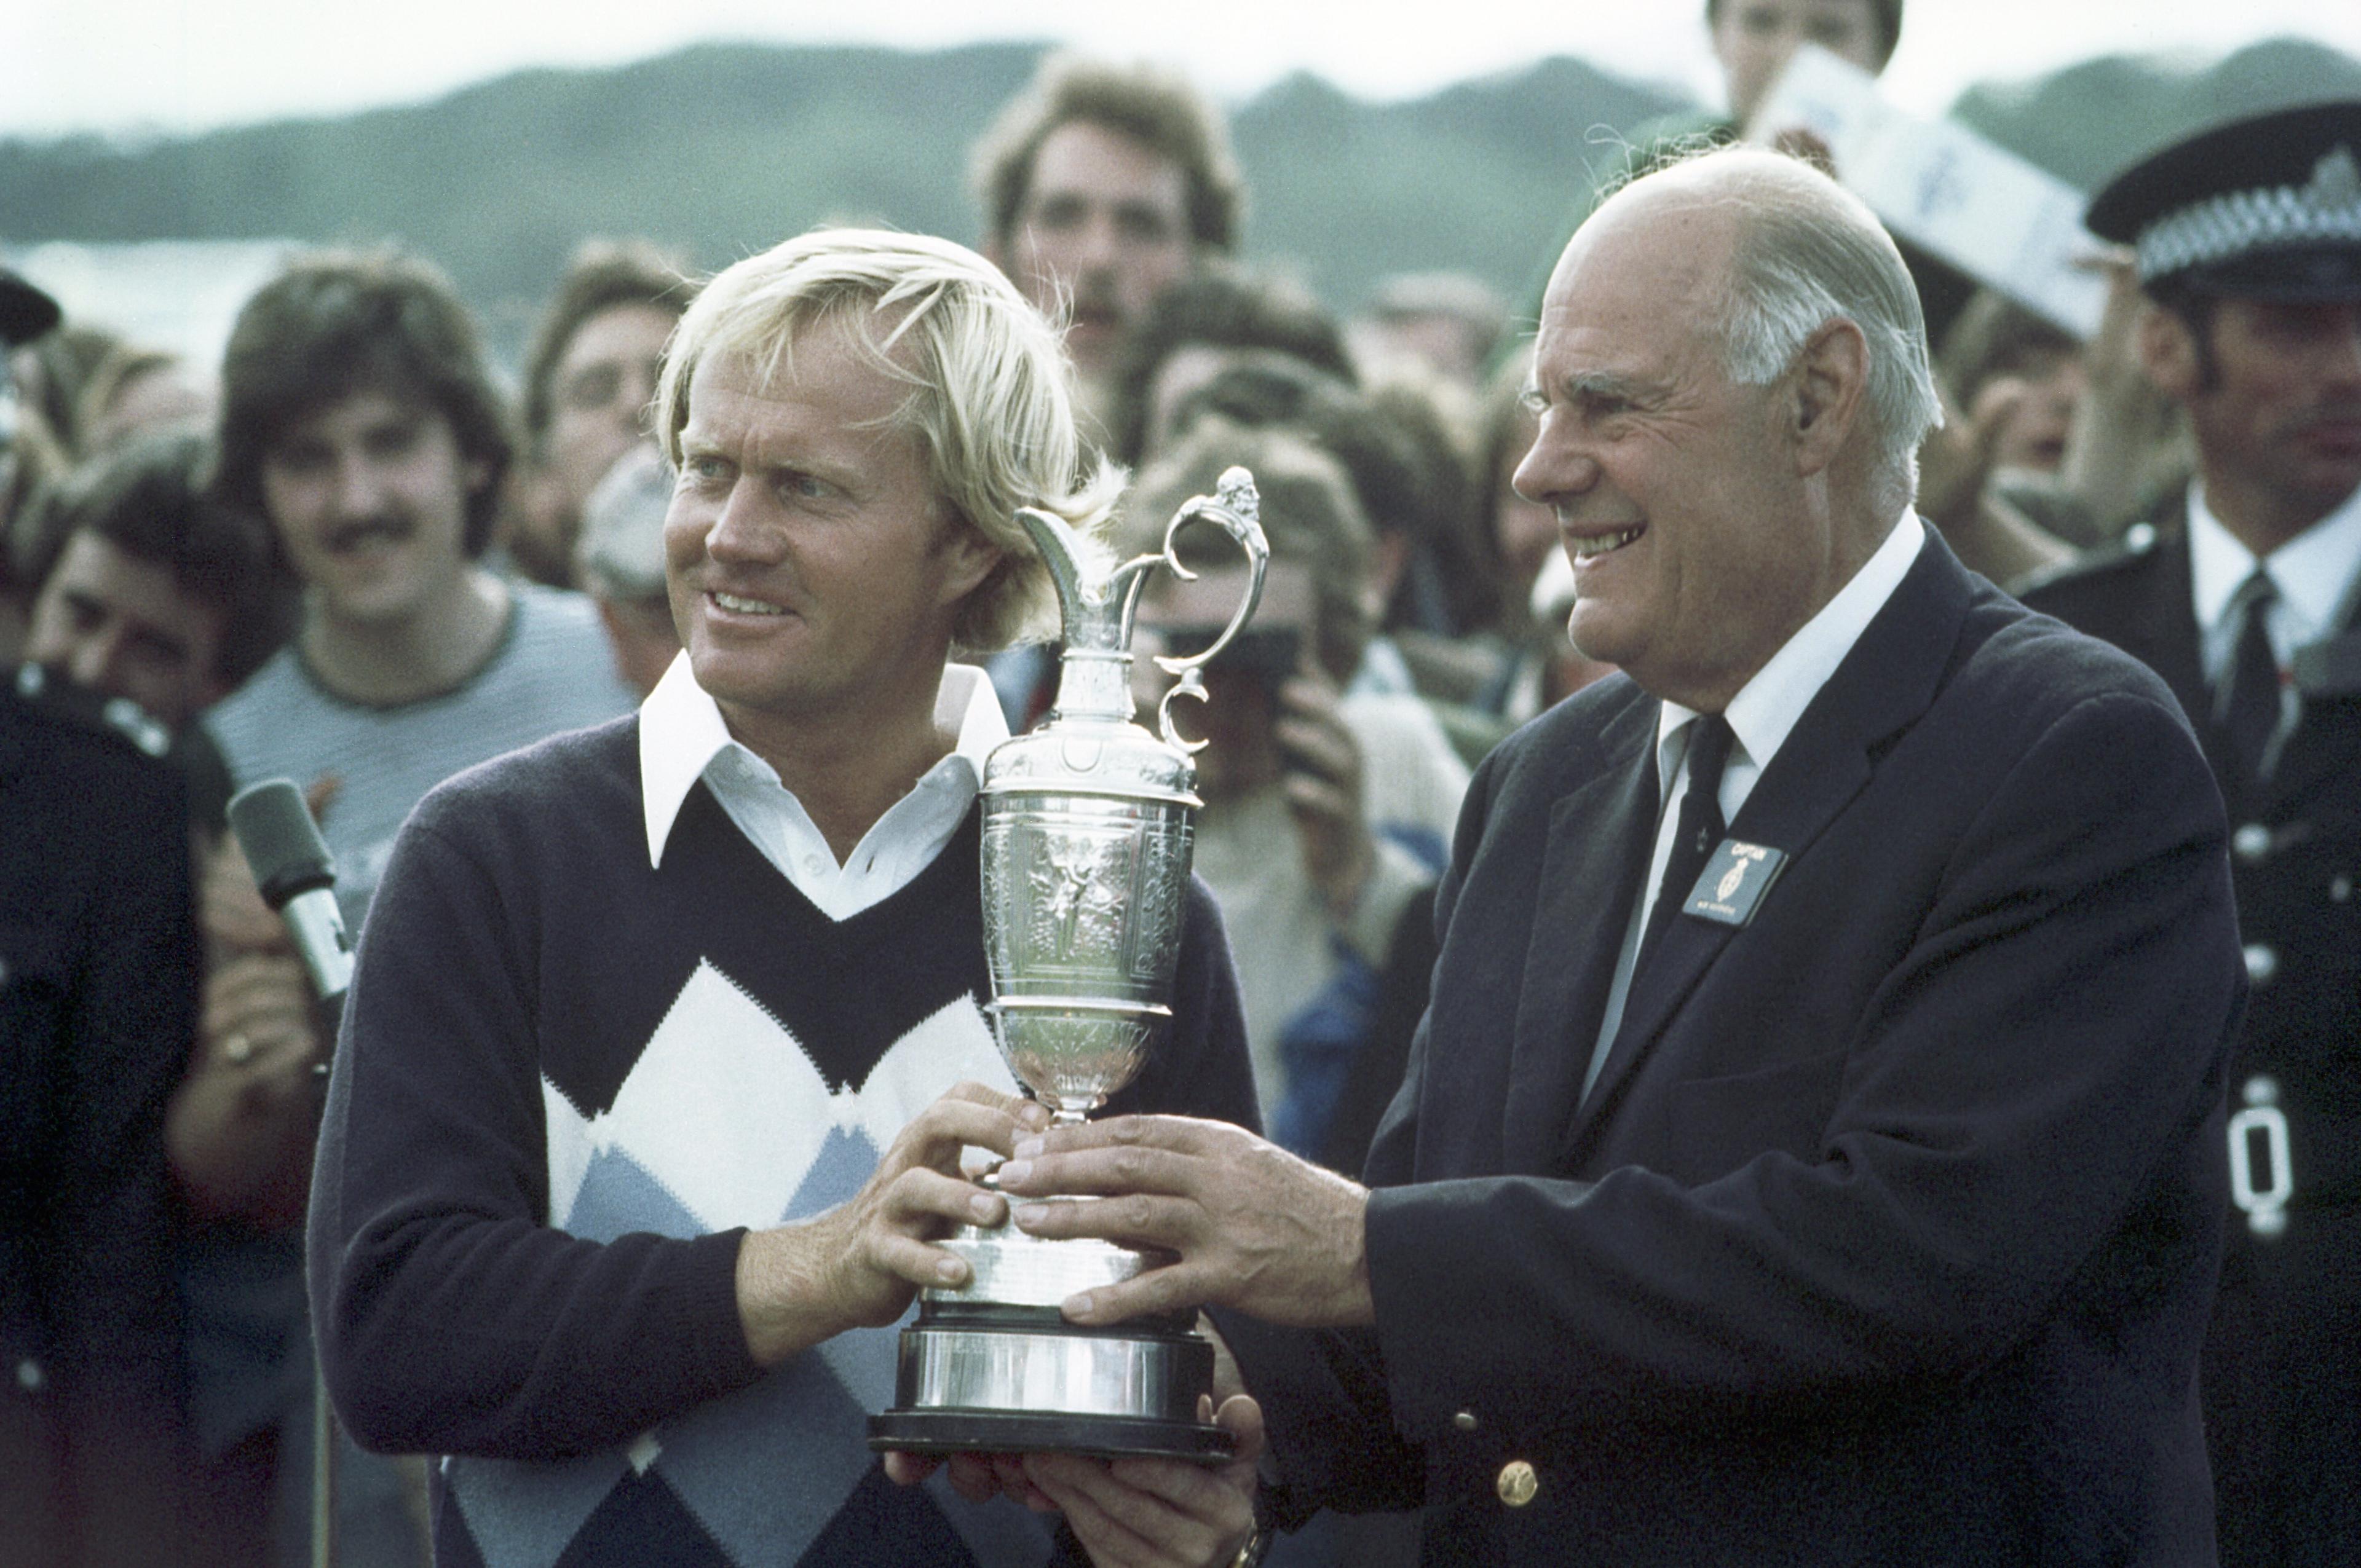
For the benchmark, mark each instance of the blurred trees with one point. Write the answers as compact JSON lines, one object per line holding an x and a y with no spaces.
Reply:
{"x":722,"y":149}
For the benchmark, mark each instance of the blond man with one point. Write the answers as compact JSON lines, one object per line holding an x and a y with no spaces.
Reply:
{"x":666,"y":1036}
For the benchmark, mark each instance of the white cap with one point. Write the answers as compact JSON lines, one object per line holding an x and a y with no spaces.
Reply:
{"x":621,"y":553}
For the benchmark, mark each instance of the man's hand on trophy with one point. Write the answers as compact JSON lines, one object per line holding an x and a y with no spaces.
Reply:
{"x":1159,"y":1513}
{"x":859,"y":1264}
{"x":1163,"y":1512}
{"x":978,"y":1477}
{"x":1253,"y":1227}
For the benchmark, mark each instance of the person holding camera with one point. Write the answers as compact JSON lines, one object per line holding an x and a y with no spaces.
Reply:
{"x":1327,"y":817}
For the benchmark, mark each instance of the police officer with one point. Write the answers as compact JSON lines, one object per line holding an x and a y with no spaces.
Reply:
{"x":2242,"y":594}
{"x":98,"y":987}
{"x":98,"y":984}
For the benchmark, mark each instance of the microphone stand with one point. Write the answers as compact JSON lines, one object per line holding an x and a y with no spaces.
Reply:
{"x":297,"y":878}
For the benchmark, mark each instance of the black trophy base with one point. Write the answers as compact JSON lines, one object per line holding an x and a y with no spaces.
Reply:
{"x":943,"y":1433}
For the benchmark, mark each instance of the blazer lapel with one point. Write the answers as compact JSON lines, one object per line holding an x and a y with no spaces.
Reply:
{"x":1600,"y":836}
{"x":1888,"y":679}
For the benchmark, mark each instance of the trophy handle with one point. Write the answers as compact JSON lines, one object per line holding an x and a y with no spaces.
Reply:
{"x":1235,"y":510}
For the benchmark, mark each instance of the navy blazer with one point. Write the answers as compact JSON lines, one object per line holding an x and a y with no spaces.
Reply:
{"x":1889,"y":1232}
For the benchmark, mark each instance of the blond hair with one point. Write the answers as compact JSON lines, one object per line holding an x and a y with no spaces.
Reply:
{"x":991,"y":395}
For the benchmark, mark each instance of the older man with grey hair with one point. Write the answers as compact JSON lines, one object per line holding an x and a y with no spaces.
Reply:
{"x":1808,"y":1154}
{"x":666,"y":1037}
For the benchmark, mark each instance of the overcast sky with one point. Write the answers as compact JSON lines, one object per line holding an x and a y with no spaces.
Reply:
{"x":174,"y":65}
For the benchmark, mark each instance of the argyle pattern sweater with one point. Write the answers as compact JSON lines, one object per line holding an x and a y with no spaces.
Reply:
{"x":567,"y":1084}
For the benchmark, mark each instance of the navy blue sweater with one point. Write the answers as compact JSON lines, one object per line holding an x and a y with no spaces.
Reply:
{"x":568,"y":1082}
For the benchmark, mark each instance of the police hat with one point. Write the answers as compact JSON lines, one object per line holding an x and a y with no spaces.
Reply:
{"x":26,"y":313}
{"x":2263,"y":208}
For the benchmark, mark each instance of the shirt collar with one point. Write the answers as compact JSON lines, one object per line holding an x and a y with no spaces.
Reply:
{"x":682,"y":733}
{"x":2311,"y":571}
{"x":1768,"y":707}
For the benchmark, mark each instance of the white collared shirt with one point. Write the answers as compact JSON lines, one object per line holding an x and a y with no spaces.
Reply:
{"x":683,"y":739}
{"x":1761,"y":716}
{"x":2313,"y":572}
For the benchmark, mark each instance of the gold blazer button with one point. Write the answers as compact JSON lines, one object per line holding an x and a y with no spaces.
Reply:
{"x":1517,"y":1484}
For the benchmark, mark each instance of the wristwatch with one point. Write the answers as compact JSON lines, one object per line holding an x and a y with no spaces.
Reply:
{"x":1250,"y":1555}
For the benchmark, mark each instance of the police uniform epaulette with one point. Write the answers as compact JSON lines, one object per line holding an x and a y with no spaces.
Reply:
{"x":2138,"y":542}
{"x":47,"y":691}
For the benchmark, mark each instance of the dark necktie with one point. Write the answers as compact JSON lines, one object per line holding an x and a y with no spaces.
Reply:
{"x":1698,"y":829}
{"x":2247,"y":705}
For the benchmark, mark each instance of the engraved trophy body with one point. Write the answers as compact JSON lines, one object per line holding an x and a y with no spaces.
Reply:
{"x":1088,"y":827}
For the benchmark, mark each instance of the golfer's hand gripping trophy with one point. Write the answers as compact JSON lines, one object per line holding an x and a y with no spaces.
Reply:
{"x":1088,"y":823}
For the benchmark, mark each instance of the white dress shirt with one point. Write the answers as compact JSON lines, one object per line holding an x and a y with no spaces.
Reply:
{"x":2316,"y":574}
{"x":683,"y":738}
{"x":1760,"y":717}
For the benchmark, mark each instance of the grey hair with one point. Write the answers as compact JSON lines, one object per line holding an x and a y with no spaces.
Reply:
{"x":1809,"y":252}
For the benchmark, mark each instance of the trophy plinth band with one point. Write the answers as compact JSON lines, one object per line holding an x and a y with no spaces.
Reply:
{"x":992,"y":1378}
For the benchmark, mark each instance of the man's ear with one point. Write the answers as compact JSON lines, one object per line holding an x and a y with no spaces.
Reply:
{"x":2168,"y":351}
{"x":969,"y":558}
{"x":1828,"y":389}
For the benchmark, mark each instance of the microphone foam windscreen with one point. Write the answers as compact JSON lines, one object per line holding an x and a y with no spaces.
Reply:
{"x":282,"y":844}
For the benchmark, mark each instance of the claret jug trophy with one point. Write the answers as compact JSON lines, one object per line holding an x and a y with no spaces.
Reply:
{"x":1088,"y":825}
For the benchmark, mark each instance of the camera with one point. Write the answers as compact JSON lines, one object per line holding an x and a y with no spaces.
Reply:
{"x":1269,"y":653}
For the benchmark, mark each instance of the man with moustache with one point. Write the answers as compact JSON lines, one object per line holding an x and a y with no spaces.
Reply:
{"x":152,"y":601}
{"x":359,"y":421}
{"x":2245,"y":594}
{"x":150,"y":591}
{"x":666,"y":1037}
{"x":1103,"y":186}
{"x":1810,"y":1152}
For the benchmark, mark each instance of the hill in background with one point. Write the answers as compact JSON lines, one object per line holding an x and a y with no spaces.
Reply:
{"x":2086,"y":122}
{"x":720,"y":149}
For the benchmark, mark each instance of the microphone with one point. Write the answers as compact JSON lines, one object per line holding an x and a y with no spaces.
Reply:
{"x":298,"y":879}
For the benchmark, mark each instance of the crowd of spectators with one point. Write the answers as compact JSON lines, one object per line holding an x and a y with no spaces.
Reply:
{"x":347,"y":556}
